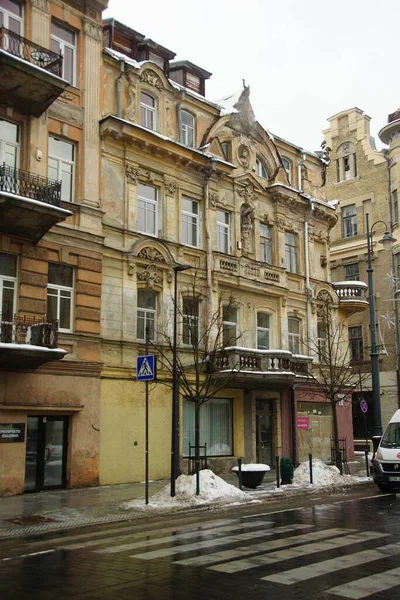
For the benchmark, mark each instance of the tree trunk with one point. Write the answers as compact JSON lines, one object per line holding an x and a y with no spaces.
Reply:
{"x":338,"y":458}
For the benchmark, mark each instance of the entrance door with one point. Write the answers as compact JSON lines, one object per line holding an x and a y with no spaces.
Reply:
{"x":46,"y":453}
{"x":265,"y":432}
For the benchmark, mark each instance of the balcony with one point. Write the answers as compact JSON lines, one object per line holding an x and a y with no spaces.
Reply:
{"x":249,"y":269}
{"x":262,"y":366}
{"x":30,"y":74}
{"x":352,"y":295}
{"x":29,"y":204}
{"x":27,"y":342}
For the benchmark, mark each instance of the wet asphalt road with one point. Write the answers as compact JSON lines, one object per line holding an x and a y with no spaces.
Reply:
{"x":349,"y":549}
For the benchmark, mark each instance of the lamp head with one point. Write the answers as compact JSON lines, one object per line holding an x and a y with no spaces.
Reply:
{"x":387,"y":241}
{"x":179,"y":268}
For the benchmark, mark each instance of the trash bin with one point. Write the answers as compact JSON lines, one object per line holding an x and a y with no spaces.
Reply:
{"x":287,"y":471}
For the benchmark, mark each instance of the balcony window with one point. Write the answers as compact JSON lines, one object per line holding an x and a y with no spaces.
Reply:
{"x":356,"y":349}
{"x":60,"y":294}
{"x":294,"y":335}
{"x":260,"y":168}
{"x":352,"y":272}
{"x":61,"y":166}
{"x":11,"y":16}
{"x":216,"y":426}
{"x":146,"y":315}
{"x":290,"y":252}
{"x":147,"y":111}
{"x":265,"y":243}
{"x":9,"y":144}
{"x":322,"y":341}
{"x":147,"y":209}
{"x":263,"y":330}
{"x":8,"y":283}
{"x":190,"y":234}
{"x":287,"y":165}
{"x":187,"y":129}
{"x":229,"y":325}
{"x":349,"y":221}
{"x":190,"y":330}
{"x":223,"y":231}
{"x":63,"y":41}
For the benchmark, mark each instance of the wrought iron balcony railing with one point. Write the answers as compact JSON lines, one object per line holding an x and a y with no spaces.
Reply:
{"x":26,"y":50}
{"x":21,"y":329}
{"x":23,"y":183}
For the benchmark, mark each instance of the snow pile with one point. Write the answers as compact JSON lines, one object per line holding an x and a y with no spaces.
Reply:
{"x":323,"y":475}
{"x":213,"y":489}
{"x":253,"y":467}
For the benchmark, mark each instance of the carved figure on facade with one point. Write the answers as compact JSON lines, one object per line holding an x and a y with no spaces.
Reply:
{"x":281,"y":223}
{"x":168,"y":119}
{"x":132,"y":174}
{"x":171,"y":187}
{"x":93,"y":30}
{"x":150,"y":176}
{"x":151,"y":253}
{"x":244,"y":156}
{"x":213,"y":199}
{"x":150,"y":275}
{"x":130,"y":110}
{"x":131,"y":267}
{"x":326,"y":152}
{"x":246,"y":226}
{"x":247,"y":193}
{"x":150,"y":77}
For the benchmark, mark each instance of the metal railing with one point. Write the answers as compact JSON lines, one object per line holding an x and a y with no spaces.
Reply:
{"x":34,"y":331}
{"x":24,"y":183}
{"x":37,"y":55}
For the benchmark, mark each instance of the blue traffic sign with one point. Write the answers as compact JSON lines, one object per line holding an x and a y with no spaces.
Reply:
{"x":146,"y":368}
{"x":364,"y":406}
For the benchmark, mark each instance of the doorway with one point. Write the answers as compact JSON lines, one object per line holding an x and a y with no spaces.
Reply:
{"x":46,"y":453}
{"x":265,"y":432}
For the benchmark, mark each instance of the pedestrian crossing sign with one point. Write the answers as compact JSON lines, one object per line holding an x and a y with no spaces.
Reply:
{"x":146,"y":368}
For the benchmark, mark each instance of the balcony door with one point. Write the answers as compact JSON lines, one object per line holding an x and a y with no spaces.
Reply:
{"x":265,"y":432}
{"x":11,"y":16}
{"x":9,"y":148}
{"x":46,"y":453}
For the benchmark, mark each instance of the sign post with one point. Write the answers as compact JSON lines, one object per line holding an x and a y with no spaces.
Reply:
{"x":146,"y":371}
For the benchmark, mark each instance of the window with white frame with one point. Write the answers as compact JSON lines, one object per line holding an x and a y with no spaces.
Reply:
{"x":395,"y":206}
{"x":63,"y":41}
{"x":261,"y":171}
{"x":11,"y":16}
{"x":349,"y":221}
{"x":146,"y":315}
{"x":287,"y":165}
{"x":8,"y":285}
{"x":322,"y":341}
{"x":229,"y":325}
{"x":263,"y":330}
{"x":290,"y":252}
{"x":352,"y":272}
{"x":216,"y":426}
{"x":294,"y":335}
{"x":265,"y":243}
{"x":60,"y":295}
{"x":190,"y":325}
{"x":187,"y":129}
{"x":356,"y":349}
{"x":190,"y":223}
{"x":147,"y":209}
{"x":61,"y":166}
{"x":346,"y":162}
{"x":223,"y":231}
{"x":9,"y":146}
{"x":147,"y":111}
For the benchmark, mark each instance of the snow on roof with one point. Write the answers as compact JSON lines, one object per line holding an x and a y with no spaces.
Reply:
{"x":228,"y":103}
{"x":31,"y":347}
{"x":51,"y":207}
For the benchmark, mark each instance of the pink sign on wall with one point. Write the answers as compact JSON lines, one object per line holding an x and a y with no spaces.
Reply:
{"x":303,"y":423}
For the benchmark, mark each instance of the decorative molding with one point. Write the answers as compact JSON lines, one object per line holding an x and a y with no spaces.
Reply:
{"x":150,"y":275}
{"x":213,"y":199}
{"x":130,"y":110}
{"x":247,"y":193}
{"x":43,"y":5}
{"x":131,"y":267}
{"x":92,"y":30}
{"x":150,"y":77}
{"x":132,"y":174}
{"x":64,"y":254}
{"x":151,"y":253}
{"x":281,"y":223}
{"x":150,"y":176}
{"x":171,"y":187}
{"x":168,"y":119}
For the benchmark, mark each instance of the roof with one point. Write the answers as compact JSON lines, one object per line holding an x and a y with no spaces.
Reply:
{"x":189,"y":66}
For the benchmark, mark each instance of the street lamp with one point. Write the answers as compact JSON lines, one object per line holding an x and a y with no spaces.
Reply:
{"x":387,"y":240}
{"x":175,"y":385}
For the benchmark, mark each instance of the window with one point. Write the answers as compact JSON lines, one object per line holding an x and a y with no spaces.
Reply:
{"x":287,"y":165}
{"x":261,"y":171}
{"x":349,"y":220}
{"x":11,"y":16}
{"x":187,"y":129}
{"x":352,"y":272}
{"x":265,"y":243}
{"x":190,"y":332}
{"x":9,"y":145}
{"x":63,"y":41}
{"x":346,"y":162}
{"x":356,"y":343}
{"x":226,"y":149}
{"x":223,"y":232}
{"x":60,"y":293}
{"x":147,"y":209}
{"x":322,"y":343}
{"x":61,"y":166}
{"x":8,"y":283}
{"x":215,"y":426}
{"x":294,"y":335}
{"x":229,"y":325}
{"x":190,"y":234}
{"x":263,"y":331}
{"x":395,"y":206}
{"x":146,"y":314}
{"x":147,"y":111}
{"x":290,"y":252}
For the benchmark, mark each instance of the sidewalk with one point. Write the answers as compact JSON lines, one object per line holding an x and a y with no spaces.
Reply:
{"x":46,"y":511}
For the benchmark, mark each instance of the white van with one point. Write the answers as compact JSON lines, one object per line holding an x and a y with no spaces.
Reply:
{"x":386,"y":463}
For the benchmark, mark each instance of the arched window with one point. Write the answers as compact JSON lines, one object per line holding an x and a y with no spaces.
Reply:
{"x":346,"y":162}
{"x":147,"y":111}
{"x":287,"y":165}
{"x":187,"y":133}
{"x":294,"y":335}
{"x":260,"y":168}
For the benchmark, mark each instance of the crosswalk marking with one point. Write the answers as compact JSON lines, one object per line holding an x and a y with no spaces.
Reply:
{"x":362,"y":588}
{"x":216,"y":533}
{"x":333,"y":565}
{"x":274,"y":557}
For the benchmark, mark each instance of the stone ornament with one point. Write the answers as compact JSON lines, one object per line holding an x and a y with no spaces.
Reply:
{"x":43,"y":5}
{"x":244,"y":156}
{"x":93,"y":30}
{"x":246,"y":226}
{"x":130,"y":110}
{"x":150,"y":77}
{"x":171,"y":187}
{"x":213,"y":199}
{"x":247,"y":193}
{"x":150,"y":275}
{"x":132,"y":174}
{"x":151,"y":253}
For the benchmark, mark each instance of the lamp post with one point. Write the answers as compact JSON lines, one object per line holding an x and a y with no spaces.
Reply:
{"x":387,"y":240}
{"x":175,"y":385}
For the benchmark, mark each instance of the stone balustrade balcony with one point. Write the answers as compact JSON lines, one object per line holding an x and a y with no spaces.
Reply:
{"x":352,"y":295}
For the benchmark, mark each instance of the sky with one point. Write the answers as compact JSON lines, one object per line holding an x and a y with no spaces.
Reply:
{"x":304,"y":60}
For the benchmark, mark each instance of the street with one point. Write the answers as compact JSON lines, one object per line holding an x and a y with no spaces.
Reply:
{"x":349,"y":549}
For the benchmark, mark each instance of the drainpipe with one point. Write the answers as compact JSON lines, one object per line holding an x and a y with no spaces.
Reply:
{"x":118,"y":88}
{"x":392,"y":268}
{"x":309,"y":289}
{"x":208,"y":238}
